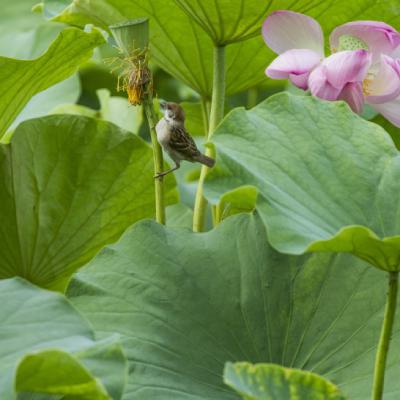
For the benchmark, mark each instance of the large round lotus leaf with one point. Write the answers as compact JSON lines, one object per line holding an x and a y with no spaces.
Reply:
{"x":68,"y":186}
{"x":186,"y":303}
{"x":327,"y":179}
{"x":47,"y":347}
{"x":227,"y":21}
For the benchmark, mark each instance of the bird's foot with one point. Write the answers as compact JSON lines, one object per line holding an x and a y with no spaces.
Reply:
{"x":161,"y":174}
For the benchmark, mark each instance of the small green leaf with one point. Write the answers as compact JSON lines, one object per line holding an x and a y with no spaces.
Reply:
{"x":274,"y":382}
{"x":112,"y":108}
{"x":48,"y":348}
{"x":186,"y":303}
{"x":328,"y":180}
{"x":68,"y":186}
{"x":242,"y":199}
{"x":57,"y":372}
{"x":20,"y":80}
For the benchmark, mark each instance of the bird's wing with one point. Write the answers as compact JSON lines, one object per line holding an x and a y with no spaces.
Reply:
{"x":183,"y":143}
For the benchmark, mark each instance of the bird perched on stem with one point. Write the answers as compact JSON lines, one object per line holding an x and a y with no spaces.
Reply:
{"x":175,"y":140}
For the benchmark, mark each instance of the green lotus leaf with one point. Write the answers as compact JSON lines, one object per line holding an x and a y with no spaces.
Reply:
{"x":227,"y":21}
{"x":327,"y":179}
{"x":180,"y":46}
{"x":186,"y":303}
{"x":179,"y":216}
{"x":20,"y":80}
{"x":24,"y":34}
{"x":49,"y":348}
{"x":30,"y":36}
{"x":273,"y":382}
{"x":68,"y":186}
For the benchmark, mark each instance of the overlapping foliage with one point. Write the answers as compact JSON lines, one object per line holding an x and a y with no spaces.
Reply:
{"x":160,"y":312}
{"x":308,"y":198}
{"x":185,"y":303}
{"x":47,"y":347}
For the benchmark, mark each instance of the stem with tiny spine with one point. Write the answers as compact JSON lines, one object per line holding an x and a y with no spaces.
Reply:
{"x":216,"y":115}
{"x":158,"y":159}
{"x":384,"y":341}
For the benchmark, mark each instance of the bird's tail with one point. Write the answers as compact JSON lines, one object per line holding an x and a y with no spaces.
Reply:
{"x":205,"y":160}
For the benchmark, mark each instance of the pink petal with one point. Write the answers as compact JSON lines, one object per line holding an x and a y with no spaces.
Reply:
{"x":385,"y":86}
{"x":396,"y":53}
{"x":286,"y":30}
{"x":319,"y":85}
{"x":301,"y":81}
{"x":295,"y":64}
{"x":347,"y":66}
{"x":353,"y":95}
{"x":379,"y":37}
{"x":390,"y":110}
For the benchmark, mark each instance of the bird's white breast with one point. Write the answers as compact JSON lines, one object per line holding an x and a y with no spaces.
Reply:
{"x":163,"y":132}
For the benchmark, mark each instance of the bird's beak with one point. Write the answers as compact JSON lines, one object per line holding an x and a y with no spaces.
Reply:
{"x":163,"y":104}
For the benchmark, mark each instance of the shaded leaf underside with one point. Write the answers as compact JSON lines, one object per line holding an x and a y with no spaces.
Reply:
{"x":187,"y":303}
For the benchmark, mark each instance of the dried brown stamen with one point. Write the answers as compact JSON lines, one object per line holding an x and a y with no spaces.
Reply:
{"x":135,"y":78}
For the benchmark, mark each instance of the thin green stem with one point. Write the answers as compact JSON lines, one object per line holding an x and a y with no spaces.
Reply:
{"x":216,"y":115}
{"x":384,"y":341}
{"x":205,"y":106}
{"x":158,"y":160}
{"x":252,"y":97}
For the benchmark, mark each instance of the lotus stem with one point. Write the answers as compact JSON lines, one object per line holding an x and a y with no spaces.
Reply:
{"x":386,"y":333}
{"x":158,"y":160}
{"x":252,"y":97}
{"x":132,"y":38}
{"x":216,"y":115}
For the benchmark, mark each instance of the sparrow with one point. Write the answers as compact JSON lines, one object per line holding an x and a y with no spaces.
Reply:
{"x":175,"y":139}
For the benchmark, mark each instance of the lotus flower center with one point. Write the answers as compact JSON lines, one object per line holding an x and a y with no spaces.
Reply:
{"x":348,"y":42}
{"x":367,"y":82}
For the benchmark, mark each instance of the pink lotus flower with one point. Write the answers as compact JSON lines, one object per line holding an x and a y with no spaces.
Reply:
{"x":364,"y":66}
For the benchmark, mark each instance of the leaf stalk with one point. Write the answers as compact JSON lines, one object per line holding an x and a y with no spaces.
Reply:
{"x":132,"y":38}
{"x":216,"y":115}
{"x":386,"y":333}
{"x":158,"y":159}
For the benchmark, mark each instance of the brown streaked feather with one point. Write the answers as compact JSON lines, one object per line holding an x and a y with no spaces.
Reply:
{"x":183,"y":143}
